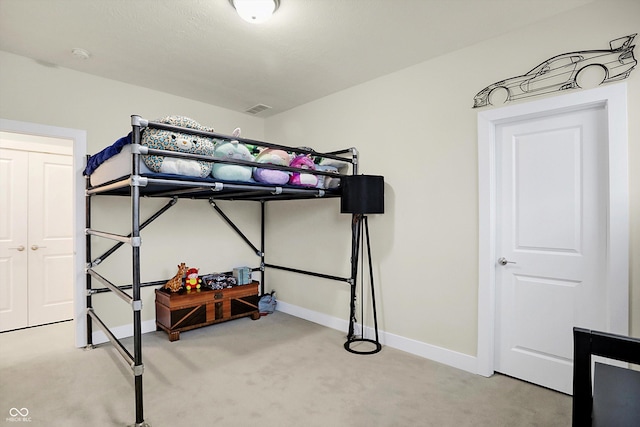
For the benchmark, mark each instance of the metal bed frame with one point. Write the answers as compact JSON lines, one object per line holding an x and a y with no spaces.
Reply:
{"x":136,"y":185}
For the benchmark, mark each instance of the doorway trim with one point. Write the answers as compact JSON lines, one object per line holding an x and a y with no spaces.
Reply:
{"x":613,"y":98}
{"x":79,"y":139}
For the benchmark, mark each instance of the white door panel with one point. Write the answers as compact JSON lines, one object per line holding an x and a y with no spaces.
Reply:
{"x":36,"y":248}
{"x":50,"y":238}
{"x":13,"y":239}
{"x":552,"y":228}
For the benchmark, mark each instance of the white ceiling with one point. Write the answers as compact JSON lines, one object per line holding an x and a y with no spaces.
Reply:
{"x":201,"y":49}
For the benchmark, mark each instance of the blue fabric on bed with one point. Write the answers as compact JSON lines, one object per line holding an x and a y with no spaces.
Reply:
{"x":104,"y":155}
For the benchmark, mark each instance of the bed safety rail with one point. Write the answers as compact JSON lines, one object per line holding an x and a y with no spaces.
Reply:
{"x":300,"y":150}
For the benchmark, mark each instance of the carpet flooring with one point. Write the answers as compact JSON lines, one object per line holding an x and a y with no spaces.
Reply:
{"x":278,"y":371}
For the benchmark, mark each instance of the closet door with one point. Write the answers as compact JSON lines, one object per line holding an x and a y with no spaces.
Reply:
{"x":36,"y":247}
{"x":50,"y":238}
{"x":14,"y":167}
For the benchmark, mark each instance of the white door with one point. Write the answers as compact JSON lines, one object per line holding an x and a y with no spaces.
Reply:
{"x":36,"y":258}
{"x":13,"y":239}
{"x":50,"y":238}
{"x":551,"y":233}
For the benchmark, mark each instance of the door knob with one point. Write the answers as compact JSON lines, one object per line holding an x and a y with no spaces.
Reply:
{"x":503,"y":261}
{"x":36,"y":247}
{"x":19,"y":248}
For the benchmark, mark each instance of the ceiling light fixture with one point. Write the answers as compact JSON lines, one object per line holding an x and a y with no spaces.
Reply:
{"x":255,"y":11}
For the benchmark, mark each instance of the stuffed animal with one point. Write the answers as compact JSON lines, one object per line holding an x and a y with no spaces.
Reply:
{"x":175,"y":283}
{"x":225,"y":149}
{"x":177,"y":141}
{"x":192,"y":281}
{"x":272,"y":176}
{"x":300,"y":178}
{"x":337,"y":167}
{"x":326,"y":181}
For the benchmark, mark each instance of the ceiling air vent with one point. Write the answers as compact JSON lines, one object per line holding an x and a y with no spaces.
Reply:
{"x":257,"y":109}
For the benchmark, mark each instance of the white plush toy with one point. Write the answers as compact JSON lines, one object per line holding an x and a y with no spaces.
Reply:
{"x":232,"y":150}
{"x":178,"y":141}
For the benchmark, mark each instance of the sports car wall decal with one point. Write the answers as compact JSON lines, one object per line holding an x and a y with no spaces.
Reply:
{"x":583,"y":69}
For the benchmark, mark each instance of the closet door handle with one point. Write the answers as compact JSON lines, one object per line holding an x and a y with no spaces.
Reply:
{"x":19,"y":248}
{"x":36,"y":247}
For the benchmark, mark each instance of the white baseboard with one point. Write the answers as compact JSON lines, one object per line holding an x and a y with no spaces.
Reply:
{"x":124,"y":331}
{"x":438,"y":354}
{"x":313,"y":316}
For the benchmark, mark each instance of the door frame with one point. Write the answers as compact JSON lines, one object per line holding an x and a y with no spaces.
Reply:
{"x":79,"y":139}
{"x":613,"y":98}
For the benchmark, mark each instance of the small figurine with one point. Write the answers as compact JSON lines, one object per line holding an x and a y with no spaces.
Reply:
{"x":193,"y":281}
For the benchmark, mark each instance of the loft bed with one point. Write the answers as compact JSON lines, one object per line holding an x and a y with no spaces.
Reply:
{"x":124,"y":169}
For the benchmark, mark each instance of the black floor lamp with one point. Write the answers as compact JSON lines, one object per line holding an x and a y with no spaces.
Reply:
{"x":361,"y":195}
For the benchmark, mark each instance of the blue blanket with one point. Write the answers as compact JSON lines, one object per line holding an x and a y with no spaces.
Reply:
{"x":101,"y":157}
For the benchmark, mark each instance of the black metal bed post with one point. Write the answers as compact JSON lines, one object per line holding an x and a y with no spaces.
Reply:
{"x":262,"y":264}
{"x":138,"y":367}
{"x":87,"y":238}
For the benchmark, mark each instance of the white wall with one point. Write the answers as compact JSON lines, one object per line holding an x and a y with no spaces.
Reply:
{"x":31,"y":92}
{"x":417,"y":128}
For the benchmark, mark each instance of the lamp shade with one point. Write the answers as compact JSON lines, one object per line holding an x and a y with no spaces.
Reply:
{"x":362,"y":194}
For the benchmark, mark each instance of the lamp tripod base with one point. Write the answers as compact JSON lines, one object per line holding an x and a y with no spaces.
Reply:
{"x":352,"y":340}
{"x":377,"y":346}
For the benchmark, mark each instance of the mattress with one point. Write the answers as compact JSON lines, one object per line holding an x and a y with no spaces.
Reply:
{"x":116,"y":167}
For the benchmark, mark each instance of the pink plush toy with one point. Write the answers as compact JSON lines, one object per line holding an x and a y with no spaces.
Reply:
{"x":303,"y":179}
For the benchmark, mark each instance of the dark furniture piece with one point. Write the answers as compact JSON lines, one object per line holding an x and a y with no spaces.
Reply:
{"x":186,"y":310}
{"x":615,"y":398}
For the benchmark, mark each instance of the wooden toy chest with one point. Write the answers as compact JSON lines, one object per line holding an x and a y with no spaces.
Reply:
{"x":185,"y":310}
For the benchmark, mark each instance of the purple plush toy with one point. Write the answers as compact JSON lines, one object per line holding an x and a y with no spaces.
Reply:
{"x":272,"y":176}
{"x":303,"y":179}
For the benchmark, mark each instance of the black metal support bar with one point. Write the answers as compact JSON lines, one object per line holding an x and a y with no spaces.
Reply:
{"x":155,"y":216}
{"x":308,"y":273}
{"x":135,"y":234}
{"x":344,"y":151}
{"x":184,"y":191}
{"x":262,"y":247}
{"x":232,"y":225}
{"x":127,"y":287}
{"x":219,"y":186}
{"x":88,"y":285}
{"x":118,"y":345}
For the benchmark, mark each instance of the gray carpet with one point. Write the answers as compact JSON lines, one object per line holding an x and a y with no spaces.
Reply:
{"x":276,"y":371}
